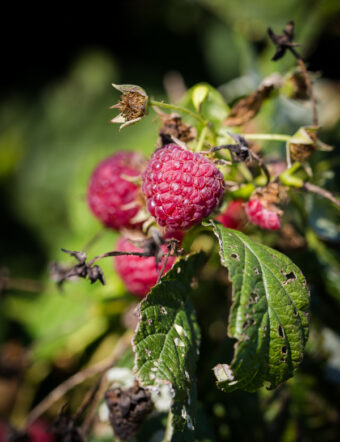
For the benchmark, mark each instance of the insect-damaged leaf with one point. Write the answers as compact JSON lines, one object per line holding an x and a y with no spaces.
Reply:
{"x":268,"y":316}
{"x":167,"y":340}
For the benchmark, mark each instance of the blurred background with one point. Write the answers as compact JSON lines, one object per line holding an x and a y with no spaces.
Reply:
{"x":57,"y":70}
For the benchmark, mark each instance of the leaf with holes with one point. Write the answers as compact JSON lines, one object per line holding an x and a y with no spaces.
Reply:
{"x":166,"y":343}
{"x":268,"y":316}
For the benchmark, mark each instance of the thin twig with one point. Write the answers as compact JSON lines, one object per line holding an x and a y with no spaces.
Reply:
{"x":261,"y":164}
{"x":322,"y":192}
{"x":78,"y":378}
{"x":163,"y":266}
{"x":116,"y":253}
{"x":88,"y":398}
{"x":91,"y":414}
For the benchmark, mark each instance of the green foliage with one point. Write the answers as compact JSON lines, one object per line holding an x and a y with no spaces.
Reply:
{"x":268,"y":317}
{"x":168,"y":336}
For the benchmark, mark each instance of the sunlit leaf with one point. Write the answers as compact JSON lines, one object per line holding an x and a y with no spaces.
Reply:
{"x":167,"y":341}
{"x":268,"y":317}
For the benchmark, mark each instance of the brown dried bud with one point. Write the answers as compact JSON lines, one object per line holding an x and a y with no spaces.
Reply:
{"x":173,"y":126}
{"x":133,"y":104}
{"x":305,"y":142}
{"x":128,"y":409}
{"x":246,"y":108}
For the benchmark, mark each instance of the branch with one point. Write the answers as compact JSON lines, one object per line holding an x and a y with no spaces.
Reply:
{"x":322,"y":192}
{"x":78,"y":378}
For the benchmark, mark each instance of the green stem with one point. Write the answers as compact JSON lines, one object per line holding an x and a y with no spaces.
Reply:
{"x":272,"y":137}
{"x":169,"y":428}
{"x":201,"y":138}
{"x":178,"y":109}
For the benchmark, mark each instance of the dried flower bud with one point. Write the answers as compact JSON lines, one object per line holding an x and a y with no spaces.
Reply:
{"x":173,"y":126}
{"x":128,"y":409}
{"x":305,"y":142}
{"x":133,"y":104}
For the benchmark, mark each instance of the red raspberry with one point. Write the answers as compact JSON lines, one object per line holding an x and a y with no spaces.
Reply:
{"x":261,"y":216}
{"x":234,"y":216}
{"x":109,"y":195}
{"x":139,"y":273}
{"x":181,"y":187}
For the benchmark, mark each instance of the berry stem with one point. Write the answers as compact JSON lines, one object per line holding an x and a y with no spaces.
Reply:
{"x":203,"y":134}
{"x":271,"y":137}
{"x":274,"y":137}
{"x":178,"y":109}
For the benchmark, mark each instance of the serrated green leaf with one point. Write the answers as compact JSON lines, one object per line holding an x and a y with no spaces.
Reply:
{"x":167,"y":340}
{"x":269,"y":314}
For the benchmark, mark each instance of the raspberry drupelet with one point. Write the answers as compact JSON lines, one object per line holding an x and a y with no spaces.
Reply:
{"x":139,"y":274}
{"x":181,"y":187}
{"x":113,"y":199}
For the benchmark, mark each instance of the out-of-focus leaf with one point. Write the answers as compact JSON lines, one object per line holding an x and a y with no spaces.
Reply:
{"x":213,"y":108}
{"x":167,"y":340}
{"x":269,"y":314}
{"x":323,"y":217}
{"x":199,"y":94}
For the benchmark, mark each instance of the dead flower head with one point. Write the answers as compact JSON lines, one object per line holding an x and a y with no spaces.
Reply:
{"x":133,"y":104}
{"x":173,"y":126}
{"x":305,"y":142}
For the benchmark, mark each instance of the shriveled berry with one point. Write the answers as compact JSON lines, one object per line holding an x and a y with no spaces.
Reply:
{"x":262,"y":216}
{"x":113,"y":199}
{"x":139,"y":274}
{"x":234,"y":217}
{"x":181,"y":187}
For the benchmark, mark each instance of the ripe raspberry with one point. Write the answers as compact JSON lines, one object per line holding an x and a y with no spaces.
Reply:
{"x":109,"y":195}
{"x":261,"y":216}
{"x":139,"y":273}
{"x":234,"y":217}
{"x":181,"y":187}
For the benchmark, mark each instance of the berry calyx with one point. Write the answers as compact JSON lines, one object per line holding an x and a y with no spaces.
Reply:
{"x":261,"y":216}
{"x":181,"y":187}
{"x":139,"y":274}
{"x":234,"y":217}
{"x":111,"y":197}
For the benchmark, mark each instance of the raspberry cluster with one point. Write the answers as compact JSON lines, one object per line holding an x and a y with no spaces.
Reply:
{"x":181,"y":187}
{"x":112,"y":198}
{"x":139,"y":274}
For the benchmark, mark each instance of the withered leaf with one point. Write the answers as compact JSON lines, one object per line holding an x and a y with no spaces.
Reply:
{"x":246,"y":108}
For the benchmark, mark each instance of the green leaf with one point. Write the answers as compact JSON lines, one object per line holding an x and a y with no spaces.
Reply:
{"x":213,"y":106}
{"x":268,"y":317}
{"x":166,"y":343}
{"x":199,"y":94}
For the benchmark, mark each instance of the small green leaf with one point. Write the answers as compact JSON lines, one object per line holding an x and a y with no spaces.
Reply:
{"x":199,"y":94}
{"x":268,"y":317}
{"x":213,"y":107}
{"x":166,"y":343}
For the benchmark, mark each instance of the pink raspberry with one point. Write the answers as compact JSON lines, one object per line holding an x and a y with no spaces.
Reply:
{"x":261,"y":216}
{"x":181,"y":187}
{"x":139,"y":273}
{"x":112,"y":198}
{"x":234,"y":216}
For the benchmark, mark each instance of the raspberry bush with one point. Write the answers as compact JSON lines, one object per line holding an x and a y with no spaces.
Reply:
{"x":219,"y":205}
